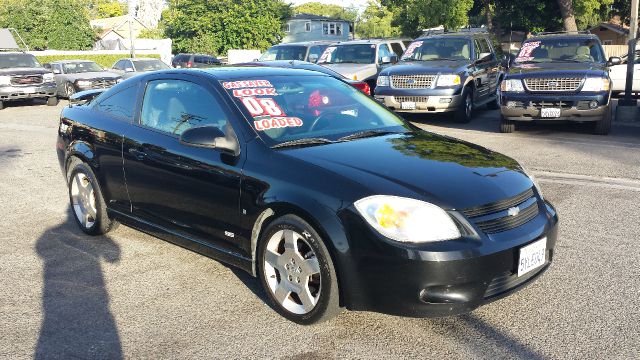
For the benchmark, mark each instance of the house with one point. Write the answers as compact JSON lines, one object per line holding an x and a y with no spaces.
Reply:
{"x":308,"y":27}
{"x":117,"y":28}
{"x":610,"y":33}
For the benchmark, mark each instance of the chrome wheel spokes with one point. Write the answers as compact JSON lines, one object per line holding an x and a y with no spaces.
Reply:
{"x":83,"y":200}
{"x":292,"y":271}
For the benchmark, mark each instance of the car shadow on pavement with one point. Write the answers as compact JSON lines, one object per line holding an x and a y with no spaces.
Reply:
{"x":23,"y":103}
{"x":77,"y":321}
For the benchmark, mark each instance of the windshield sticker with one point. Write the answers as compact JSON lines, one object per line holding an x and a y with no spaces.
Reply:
{"x":411,"y":49}
{"x":327,"y":52}
{"x":526,"y":50}
{"x":262,"y":106}
{"x":277,"y":123}
{"x":246,"y":84}
{"x":254,"y":92}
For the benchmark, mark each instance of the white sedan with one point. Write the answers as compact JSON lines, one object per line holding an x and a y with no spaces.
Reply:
{"x":619,"y":75}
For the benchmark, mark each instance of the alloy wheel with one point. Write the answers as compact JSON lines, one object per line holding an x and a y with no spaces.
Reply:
{"x":83,"y":200}
{"x":292,"y":271}
{"x":468,"y":105}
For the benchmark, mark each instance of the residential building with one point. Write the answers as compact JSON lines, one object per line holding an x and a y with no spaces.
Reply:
{"x":308,"y":27}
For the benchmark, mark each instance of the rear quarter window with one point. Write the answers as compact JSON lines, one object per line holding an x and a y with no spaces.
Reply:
{"x":120,"y":105}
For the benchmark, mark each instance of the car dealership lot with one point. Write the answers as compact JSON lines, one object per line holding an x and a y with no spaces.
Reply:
{"x":130,"y":294}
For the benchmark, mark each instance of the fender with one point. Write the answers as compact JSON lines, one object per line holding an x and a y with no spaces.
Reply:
{"x":82,"y":150}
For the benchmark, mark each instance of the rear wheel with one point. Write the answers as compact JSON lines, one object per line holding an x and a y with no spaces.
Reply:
{"x":296,"y":271}
{"x":465,"y":109}
{"x":87,"y":202}
{"x":52,"y":101}
{"x":507,"y":126}
{"x":603,"y":127}
{"x":1,"y":105}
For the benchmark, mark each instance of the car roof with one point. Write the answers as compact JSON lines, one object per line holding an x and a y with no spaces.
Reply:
{"x":306,"y":43}
{"x":454,"y":35}
{"x":70,"y":61}
{"x":242,"y":72}
{"x":563,"y":36}
{"x":365,"y":42}
{"x":14,"y":53}
{"x":139,"y":58}
{"x":193,"y":54}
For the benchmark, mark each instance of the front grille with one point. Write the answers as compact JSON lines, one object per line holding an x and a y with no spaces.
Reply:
{"x":552,"y":104}
{"x":508,"y":281}
{"x":412,"y":81}
{"x":26,"y":80}
{"x":103,"y":83}
{"x":553,"y":84}
{"x":417,"y":99}
{"x":505,"y":214}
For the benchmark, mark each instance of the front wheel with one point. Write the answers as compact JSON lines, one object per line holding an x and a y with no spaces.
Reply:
{"x":603,"y":126}
{"x":465,"y":109}
{"x":87,"y":202}
{"x":507,"y":126}
{"x":1,"y":105}
{"x":52,"y":101}
{"x":296,"y":271}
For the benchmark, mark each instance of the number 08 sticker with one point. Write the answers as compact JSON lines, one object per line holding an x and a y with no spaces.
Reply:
{"x":262,"y":106}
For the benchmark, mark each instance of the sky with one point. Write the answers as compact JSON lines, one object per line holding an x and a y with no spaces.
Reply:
{"x":345,"y":3}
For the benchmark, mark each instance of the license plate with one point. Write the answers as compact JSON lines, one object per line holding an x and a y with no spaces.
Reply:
{"x":532,"y":256}
{"x":29,"y":91}
{"x":550,"y":112}
{"x":408,"y":105}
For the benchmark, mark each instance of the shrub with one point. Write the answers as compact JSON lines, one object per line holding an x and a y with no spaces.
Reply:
{"x":104,"y":60}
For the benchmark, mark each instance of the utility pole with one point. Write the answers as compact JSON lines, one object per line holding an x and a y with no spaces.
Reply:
{"x":633,"y":25}
{"x":132,"y":46}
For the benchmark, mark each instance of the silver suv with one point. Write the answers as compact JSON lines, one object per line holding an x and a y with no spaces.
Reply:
{"x":22,"y":77}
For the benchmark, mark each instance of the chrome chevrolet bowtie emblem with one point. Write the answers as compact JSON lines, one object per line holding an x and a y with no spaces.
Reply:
{"x":514,"y":211}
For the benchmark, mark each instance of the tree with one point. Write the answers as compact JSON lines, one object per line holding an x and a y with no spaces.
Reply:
{"x":149,"y":12}
{"x":568,"y":15}
{"x":332,"y":11}
{"x":215,"y":26}
{"x":49,"y":24}
{"x":375,"y":22}
{"x":414,"y":15}
{"x":109,"y":8}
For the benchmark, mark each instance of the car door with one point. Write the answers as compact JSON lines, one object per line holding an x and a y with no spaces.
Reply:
{"x":192,"y":191}
{"x":493,"y":68}
{"x":481,"y":72}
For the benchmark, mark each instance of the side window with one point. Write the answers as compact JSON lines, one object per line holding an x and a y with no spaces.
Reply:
{"x":121,"y":104}
{"x":47,"y":66}
{"x":316,"y":51}
{"x":478,"y":48}
{"x":128,"y":64}
{"x":397,"y":48}
{"x":57,"y":67}
{"x":173,"y":106}
{"x":487,"y":46}
{"x":383,"y":51}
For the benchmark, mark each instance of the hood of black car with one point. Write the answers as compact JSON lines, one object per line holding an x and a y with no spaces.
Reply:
{"x":452,"y":173}
{"x":91,"y":75}
{"x":558,"y":69}
{"x":426,"y":67}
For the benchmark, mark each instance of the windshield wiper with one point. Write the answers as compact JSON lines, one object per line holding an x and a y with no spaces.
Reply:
{"x":365,"y":134}
{"x":302,"y":142}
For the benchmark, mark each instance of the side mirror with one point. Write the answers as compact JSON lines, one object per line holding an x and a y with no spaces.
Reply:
{"x":614,"y":60}
{"x":484,"y":57}
{"x":211,"y":137}
{"x":388,"y":59}
{"x":313,"y":58}
{"x":394,"y":59}
{"x":57,"y":71}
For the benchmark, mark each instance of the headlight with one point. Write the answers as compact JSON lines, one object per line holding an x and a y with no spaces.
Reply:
{"x":47,"y":77}
{"x":383,"y":80}
{"x":512,"y":85}
{"x":596,"y":84}
{"x":119,"y":80}
{"x":83,"y":83}
{"x":5,"y":80}
{"x":407,"y":220}
{"x":448,"y":80}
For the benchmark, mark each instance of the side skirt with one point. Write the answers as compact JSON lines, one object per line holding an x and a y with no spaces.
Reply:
{"x":187,"y":242}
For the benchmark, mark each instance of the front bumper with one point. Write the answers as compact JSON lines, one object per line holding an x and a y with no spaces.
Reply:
{"x":448,"y":282}
{"x":432,"y":100}
{"x":527,"y":106}
{"x":9,"y":93}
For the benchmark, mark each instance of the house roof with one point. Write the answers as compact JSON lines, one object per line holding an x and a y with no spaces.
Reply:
{"x":304,"y":16}
{"x":119,"y":25}
{"x":613,"y":27}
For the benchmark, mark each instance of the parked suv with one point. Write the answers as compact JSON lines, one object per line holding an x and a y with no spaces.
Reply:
{"x":22,"y":77}
{"x":446,"y":72}
{"x":362,"y":59}
{"x":195,"y":61}
{"x":558,"y":77}
{"x":305,"y":51}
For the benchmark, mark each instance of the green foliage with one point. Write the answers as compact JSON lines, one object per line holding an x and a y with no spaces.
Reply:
{"x":332,"y":11}
{"x":591,"y":12}
{"x":151,"y":34}
{"x":215,"y":26}
{"x":376,"y":22}
{"x":49,"y":24}
{"x":103,"y":60}
{"x":414,"y":15}
{"x":109,"y":8}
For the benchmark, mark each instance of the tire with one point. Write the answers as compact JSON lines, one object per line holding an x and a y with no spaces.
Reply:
{"x":87,"y":203}
{"x":603,"y":126}
{"x":507,"y":126}
{"x":1,"y":105}
{"x":52,"y":101}
{"x":299,"y":280}
{"x":69,"y":90}
{"x":465,"y":110}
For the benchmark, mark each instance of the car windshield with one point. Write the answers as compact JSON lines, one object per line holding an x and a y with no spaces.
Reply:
{"x":149,"y":65}
{"x":560,"y":49}
{"x":18,"y":61}
{"x":320,"y":108}
{"x":438,"y":49}
{"x":284,"y":53}
{"x":350,"y":54}
{"x":81,"y":67}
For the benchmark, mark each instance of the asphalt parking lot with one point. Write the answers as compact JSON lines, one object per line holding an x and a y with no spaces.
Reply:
{"x":65,"y":295}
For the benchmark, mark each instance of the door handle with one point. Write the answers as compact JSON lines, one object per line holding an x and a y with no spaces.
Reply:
{"x":138,"y":154}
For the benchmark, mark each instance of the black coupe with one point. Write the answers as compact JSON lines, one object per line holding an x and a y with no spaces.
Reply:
{"x":331,"y":200}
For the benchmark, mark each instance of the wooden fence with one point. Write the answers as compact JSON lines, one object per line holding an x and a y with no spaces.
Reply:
{"x":615,"y":50}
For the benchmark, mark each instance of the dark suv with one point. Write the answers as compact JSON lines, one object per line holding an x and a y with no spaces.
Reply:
{"x":195,"y":61}
{"x":558,"y":77}
{"x":445,"y":72}
{"x":22,"y":77}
